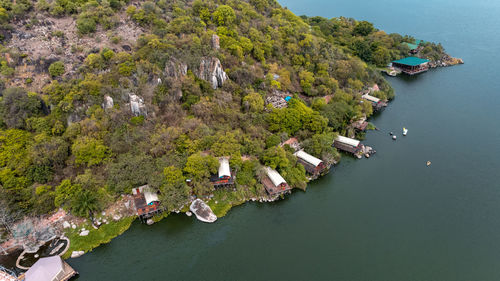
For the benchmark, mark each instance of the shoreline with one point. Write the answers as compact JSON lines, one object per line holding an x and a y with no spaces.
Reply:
{"x":118,"y":225}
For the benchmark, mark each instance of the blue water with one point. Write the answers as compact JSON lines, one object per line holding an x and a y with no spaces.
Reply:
{"x":389,"y":217}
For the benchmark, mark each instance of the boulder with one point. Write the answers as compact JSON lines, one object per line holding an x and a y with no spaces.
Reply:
{"x":175,"y":69}
{"x":84,"y":233}
{"x":202,"y":211}
{"x":211,"y":70}
{"x":66,"y":224}
{"x":108,"y":102}
{"x":149,"y":222}
{"x":137,"y":105}
{"x":188,"y":213}
{"x":117,"y":217}
{"x":76,"y":254}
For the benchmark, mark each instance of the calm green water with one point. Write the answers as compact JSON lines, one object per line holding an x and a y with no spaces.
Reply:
{"x":386,"y":218}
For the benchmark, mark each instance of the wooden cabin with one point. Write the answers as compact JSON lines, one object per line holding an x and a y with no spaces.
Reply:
{"x":377,"y":104}
{"x":313,"y":165}
{"x":411,"y":65}
{"x":293,"y":143}
{"x":146,"y":203}
{"x":413,"y":48}
{"x":274,"y":183}
{"x":224,"y":177}
{"x":347,"y":145}
{"x":49,"y":269}
{"x":360,"y":125}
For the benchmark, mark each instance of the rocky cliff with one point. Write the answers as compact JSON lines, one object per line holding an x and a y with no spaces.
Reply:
{"x":175,"y":69}
{"x":211,"y":70}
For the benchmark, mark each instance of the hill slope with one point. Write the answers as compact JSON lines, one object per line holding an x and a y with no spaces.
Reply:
{"x":99,"y":97}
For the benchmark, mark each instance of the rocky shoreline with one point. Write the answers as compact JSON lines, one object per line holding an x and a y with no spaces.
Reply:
{"x":445,"y":61}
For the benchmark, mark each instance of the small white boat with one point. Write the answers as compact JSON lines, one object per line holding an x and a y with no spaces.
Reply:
{"x":394,"y":137}
{"x":405,"y":131}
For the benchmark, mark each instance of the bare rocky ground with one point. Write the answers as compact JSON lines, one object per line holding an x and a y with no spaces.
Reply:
{"x":32,"y":231}
{"x":44,"y":40}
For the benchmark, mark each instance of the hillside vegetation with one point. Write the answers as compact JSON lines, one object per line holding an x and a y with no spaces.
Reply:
{"x":98,"y":97}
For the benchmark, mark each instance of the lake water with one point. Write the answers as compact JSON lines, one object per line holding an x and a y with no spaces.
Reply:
{"x":385,"y":218}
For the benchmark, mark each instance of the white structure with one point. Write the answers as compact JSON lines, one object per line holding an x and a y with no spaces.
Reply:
{"x":370,"y":98}
{"x":224,"y":170}
{"x":49,"y":269}
{"x":150,"y":196}
{"x":348,"y":141}
{"x":275,"y":177}
{"x":308,"y":158}
{"x":202,"y":211}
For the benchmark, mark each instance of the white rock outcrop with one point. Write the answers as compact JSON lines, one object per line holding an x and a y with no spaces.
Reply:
{"x":108,"y":102}
{"x":202,"y":211}
{"x":137,"y":105}
{"x":211,"y":70}
{"x":76,"y":254}
{"x":215,"y":42}
{"x":84,"y":232}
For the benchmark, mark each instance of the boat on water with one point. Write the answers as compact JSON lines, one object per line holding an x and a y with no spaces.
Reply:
{"x":405,"y":131}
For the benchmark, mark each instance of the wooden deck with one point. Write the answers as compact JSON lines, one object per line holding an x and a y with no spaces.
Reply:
{"x":145,"y":211}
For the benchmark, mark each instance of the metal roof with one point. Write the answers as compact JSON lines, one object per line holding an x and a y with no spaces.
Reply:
{"x":412,"y":46}
{"x":45,"y":269}
{"x":274,"y":176}
{"x":411,"y":61}
{"x":308,"y":158}
{"x":370,"y":98}
{"x":150,"y":196}
{"x":349,"y":141}
{"x":224,"y":170}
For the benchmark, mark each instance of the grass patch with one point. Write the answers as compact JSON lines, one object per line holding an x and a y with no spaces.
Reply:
{"x":371,"y":126}
{"x":226,"y":199}
{"x":96,"y":237}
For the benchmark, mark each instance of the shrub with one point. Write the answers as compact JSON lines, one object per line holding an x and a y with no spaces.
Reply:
{"x":86,"y":25}
{"x":56,"y":69}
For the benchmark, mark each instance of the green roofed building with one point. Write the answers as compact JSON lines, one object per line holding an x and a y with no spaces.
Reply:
{"x":411,"y":65}
{"x":411,"y":46}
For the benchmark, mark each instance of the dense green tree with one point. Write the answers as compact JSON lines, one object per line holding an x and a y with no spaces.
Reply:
{"x":199,"y":166}
{"x":174,"y":193}
{"x":85,"y":203}
{"x":224,"y":15}
{"x":129,"y":171}
{"x":89,"y":151}
{"x":253,"y":102}
{"x":17,"y":106}
{"x":363,"y":28}
{"x":64,"y":193}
